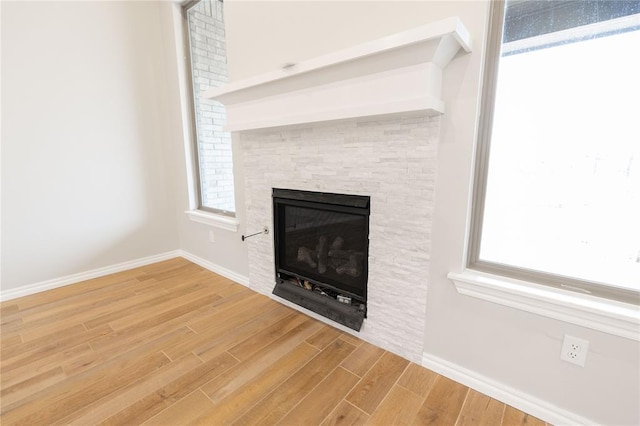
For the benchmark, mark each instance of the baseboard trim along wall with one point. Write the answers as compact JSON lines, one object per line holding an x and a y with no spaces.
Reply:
{"x":214,"y":267}
{"x":501,"y":392}
{"x":119,"y":267}
{"x":86,"y":275}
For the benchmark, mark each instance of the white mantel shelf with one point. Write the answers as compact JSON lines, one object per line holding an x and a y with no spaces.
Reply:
{"x":399,"y":73}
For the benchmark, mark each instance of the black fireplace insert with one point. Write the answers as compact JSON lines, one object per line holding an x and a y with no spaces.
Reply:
{"x":321,"y":252}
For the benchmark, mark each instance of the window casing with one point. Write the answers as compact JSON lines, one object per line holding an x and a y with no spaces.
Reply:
{"x":531,"y":26}
{"x":207,"y":68}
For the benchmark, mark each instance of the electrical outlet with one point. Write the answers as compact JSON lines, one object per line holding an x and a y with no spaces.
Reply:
{"x":212,"y":237}
{"x":574,"y":350}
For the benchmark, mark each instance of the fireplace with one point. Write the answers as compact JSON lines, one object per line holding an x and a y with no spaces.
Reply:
{"x":365,"y":120}
{"x":321,"y":252}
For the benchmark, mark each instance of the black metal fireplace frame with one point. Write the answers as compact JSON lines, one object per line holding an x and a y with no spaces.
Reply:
{"x":350,"y":315}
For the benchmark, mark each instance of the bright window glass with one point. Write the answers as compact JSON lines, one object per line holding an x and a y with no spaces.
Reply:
{"x":208,"y":63}
{"x":562,"y":193}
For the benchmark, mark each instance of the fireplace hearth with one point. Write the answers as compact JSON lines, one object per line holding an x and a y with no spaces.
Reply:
{"x":321,"y":252}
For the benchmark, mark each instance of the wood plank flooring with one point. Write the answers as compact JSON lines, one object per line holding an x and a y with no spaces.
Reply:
{"x":174,"y":344}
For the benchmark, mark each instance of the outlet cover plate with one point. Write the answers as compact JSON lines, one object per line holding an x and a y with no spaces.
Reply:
{"x":574,"y":350}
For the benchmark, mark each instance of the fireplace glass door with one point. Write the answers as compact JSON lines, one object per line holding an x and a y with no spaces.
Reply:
{"x":324,"y":242}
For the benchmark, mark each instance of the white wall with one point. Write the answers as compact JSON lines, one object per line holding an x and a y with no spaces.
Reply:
{"x":518,"y":349}
{"x":85,"y":179}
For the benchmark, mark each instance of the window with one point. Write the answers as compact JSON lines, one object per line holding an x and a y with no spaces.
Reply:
{"x":557,"y":185}
{"x":208,"y":66}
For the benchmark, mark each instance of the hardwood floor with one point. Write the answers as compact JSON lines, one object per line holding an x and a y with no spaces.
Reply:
{"x":172,"y":343}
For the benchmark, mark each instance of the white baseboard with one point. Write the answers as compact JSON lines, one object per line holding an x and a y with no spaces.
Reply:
{"x":213,"y":267}
{"x":86,"y":275}
{"x":99,"y":272}
{"x":501,"y":392}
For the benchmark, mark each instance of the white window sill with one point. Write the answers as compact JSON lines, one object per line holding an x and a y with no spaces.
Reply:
{"x":211,"y":219}
{"x":620,"y":319}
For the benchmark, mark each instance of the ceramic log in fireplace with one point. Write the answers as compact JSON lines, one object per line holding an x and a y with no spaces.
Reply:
{"x":321,"y":252}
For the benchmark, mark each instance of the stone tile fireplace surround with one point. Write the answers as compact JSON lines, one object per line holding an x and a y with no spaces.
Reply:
{"x":391,"y":159}
{"x":364,"y":120}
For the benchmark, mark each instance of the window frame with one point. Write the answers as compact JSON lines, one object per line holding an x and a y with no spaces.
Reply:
{"x":195,"y":156}
{"x":481,"y":168}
